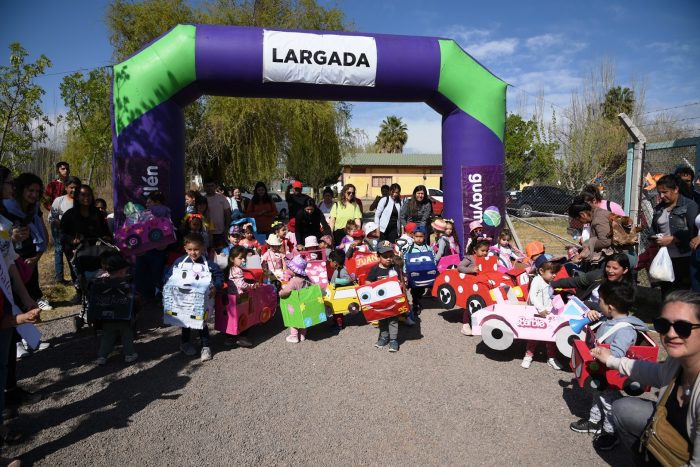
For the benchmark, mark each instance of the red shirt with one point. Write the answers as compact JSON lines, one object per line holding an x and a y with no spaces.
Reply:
{"x":53,"y":190}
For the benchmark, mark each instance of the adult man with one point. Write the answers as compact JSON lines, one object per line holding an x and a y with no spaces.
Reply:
{"x":295,"y":198}
{"x":54,"y":189}
{"x":687,"y":175}
{"x":219,"y":212}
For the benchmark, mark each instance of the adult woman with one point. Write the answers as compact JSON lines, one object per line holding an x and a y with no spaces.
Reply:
{"x":674,"y":225}
{"x":595,"y":198}
{"x":678,"y":327}
{"x":237,"y":202}
{"x":84,"y":222}
{"x":326,"y":203}
{"x":310,"y":222}
{"x":59,"y":206}
{"x":344,"y":210}
{"x":388,"y":214}
{"x":617,"y":268}
{"x":262,"y":209}
{"x":599,"y":245}
{"x":23,"y":210}
{"x":418,"y":209}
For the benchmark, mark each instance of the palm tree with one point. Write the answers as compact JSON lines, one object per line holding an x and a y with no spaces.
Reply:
{"x":392,"y":135}
{"x":618,"y":99}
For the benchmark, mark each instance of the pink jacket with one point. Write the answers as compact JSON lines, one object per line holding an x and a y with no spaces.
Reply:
{"x":235,"y":275}
{"x":274,"y":261}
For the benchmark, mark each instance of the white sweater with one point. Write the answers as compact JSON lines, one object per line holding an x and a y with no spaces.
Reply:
{"x":540,"y":294}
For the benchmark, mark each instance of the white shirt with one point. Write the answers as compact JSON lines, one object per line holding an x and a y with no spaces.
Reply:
{"x":59,"y":207}
{"x":540,"y":294}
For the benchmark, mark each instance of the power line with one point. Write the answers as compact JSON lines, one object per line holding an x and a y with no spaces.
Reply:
{"x":672,"y":121}
{"x":73,"y":71}
{"x":671,"y":108}
{"x":667,"y":132}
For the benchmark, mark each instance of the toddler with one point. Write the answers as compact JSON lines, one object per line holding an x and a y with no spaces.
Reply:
{"x":388,"y":327}
{"x":190,"y":197}
{"x":340,"y":278}
{"x":273,"y":259}
{"x":249,"y":241}
{"x":505,"y":252}
{"x":419,"y":245}
{"x":406,"y":239}
{"x":297,"y":267}
{"x":291,"y":235}
{"x":194,"y":224}
{"x":352,"y":233}
{"x":540,"y":296}
{"x":156,"y":204}
{"x":477,"y":249}
{"x":236,"y":279}
{"x":325,"y":243}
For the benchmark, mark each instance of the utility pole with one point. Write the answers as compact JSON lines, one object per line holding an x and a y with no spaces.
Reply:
{"x":640,"y":142}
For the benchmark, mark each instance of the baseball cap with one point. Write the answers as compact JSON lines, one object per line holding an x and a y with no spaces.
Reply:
{"x":297,"y":184}
{"x":410,"y":227}
{"x":384,"y":246}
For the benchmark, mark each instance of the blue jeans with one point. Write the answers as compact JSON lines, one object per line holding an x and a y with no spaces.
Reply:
{"x":5,"y":341}
{"x":203,"y":335}
{"x":630,"y":416}
{"x":57,"y":251}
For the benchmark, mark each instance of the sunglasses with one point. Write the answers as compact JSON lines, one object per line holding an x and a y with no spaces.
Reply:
{"x":682,"y":328}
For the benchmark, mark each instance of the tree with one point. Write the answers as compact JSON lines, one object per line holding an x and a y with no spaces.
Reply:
{"x":22,"y":122}
{"x":89,"y":138}
{"x":617,"y":100}
{"x":529,"y":155}
{"x":392,"y":135}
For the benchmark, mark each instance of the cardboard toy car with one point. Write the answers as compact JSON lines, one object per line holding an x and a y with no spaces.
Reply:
{"x":252,"y":267}
{"x":341,"y":299}
{"x":360,"y":264}
{"x":236,"y":313}
{"x":593,"y":375}
{"x":382,"y":299}
{"x":421,"y":270}
{"x":303,"y":308}
{"x":500,"y":324}
{"x":316,"y":267}
{"x":110,"y":299}
{"x":142,"y":231}
{"x":188,"y":296}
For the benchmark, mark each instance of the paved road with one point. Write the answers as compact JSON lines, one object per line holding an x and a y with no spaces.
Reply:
{"x":443,"y":399}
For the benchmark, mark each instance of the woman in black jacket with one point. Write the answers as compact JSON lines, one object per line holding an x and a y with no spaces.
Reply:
{"x":83,"y":222}
{"x":418,"y":209}
{"x":310,"y":221}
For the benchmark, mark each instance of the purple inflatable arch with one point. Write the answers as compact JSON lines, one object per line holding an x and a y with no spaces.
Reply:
{"x":152,"y":87}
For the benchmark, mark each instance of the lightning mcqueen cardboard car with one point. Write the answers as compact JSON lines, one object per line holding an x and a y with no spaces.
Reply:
{"x":382,"y":299}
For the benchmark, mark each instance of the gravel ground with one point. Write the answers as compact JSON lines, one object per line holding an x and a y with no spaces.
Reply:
{"x":444,"y":399}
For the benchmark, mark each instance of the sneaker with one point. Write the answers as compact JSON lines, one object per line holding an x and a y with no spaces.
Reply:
{"x":102,"y":361}
{"x":466,"y":329}
{"x":243,"y":341}
{"x":44,"y":305}
{"x":527,"y":361}
{"x":381,"y":342}
{"x":131,"y":357}
{"x":410,"y":322}
{"x":205,"y":356}
{"x":292,"y":339}
{"x":21,"y":351}
{"x":605,"y":441}
{"x":584,"y":425}
{"x":393,"y":346}
{"x":188,"y":349}
{"x":552,"y":362}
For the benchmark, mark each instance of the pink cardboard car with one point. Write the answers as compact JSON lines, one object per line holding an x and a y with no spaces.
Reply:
{"x":499,"y":324}
{"x":143,"y":232}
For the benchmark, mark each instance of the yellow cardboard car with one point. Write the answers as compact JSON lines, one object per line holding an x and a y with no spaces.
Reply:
{"x":341,"y":299}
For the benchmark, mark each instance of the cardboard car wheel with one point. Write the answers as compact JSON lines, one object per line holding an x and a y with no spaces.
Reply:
{"x":564,"y":339}
{"x":633,"y":388}
{"x":447,"y":296}
{"x":475,"y":303}
{"x":496,"y":334}
{"x":133,"y":241}
{"x":595,"y":383}
{"x":265,"y":314}
{"x":155,"y":235}
{"x":354,"y":308}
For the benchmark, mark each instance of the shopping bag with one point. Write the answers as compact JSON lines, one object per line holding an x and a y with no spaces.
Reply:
{"x":303,"y":308}
{"x":661,"y":268}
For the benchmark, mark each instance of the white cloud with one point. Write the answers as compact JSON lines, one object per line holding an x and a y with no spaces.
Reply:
{"x":543,"y":41}
{"x":492,"y":49}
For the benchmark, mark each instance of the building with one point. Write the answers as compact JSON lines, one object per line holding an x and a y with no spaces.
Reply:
{"x":368,"y":172}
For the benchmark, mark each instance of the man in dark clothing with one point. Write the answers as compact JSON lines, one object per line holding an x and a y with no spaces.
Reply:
{"x":295,"y":198}
{"x":687,"y":175}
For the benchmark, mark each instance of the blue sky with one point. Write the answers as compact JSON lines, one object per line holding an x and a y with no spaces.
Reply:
{"x":547,"y":46}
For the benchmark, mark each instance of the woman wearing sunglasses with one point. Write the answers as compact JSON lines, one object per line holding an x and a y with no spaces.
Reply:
{"x":678,"y":327}
{"x":343,"y":210}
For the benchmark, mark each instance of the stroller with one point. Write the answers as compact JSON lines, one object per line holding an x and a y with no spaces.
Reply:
{"x":85,"y":264}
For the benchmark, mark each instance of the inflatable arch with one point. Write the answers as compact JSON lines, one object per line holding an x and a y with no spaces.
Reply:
{"x":152,"y":87}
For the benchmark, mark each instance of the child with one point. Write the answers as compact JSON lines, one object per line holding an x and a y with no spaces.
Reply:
{"x":477,"y":249}
{"x":620,"y":331}
{"x":388,"y":327}
{"x":194,"y":224}
{"x":419,"y":236}
{"x":288,"y":249}
{"x":114,"y":266}
{"x":360,"y":243}
{"x":236,"y":280}
{"x":190,"y":197}
{"x":291,"y":235}
{"x":372,"y":233}
{"x":441,"y":247}
{"x":194,"y":247}
{"x":406,"y":239}
{"x":156,"y":204}
{"x":273,"y":259}
{"x":234,"y":236}
{"x":297,"y":266}
{"x":505,"y":252}
{"x":476,"y":231}
{"x":340,"y":277}
{"x":350,"y":229}
{"x":325,"y":243}
{"x":540,"y":296}
{"x":249,"y":241}
{"x":451,"y":236}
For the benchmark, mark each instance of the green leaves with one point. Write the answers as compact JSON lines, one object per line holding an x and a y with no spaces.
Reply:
{"x":529,"y":153}
{"x":392,"y":135}
{"x":22,"y":122}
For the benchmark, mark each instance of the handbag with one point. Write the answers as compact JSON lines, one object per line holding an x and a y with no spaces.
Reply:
{"x":662,"y":440}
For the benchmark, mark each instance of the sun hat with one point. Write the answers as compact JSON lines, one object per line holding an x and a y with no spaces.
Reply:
{"x":273,"y":240}
{"x":297,"y":265}
{"x":310,"y":241}
{"x":410,"y":227}
{"x":384,"y":246}
{"x":473,"y":225}
{"x":297,"y":184}
{"x":370,"y":227}
{"x":358,"y":233}
{"x":439,"y":225}
{"x":534,"y":248}
{"x":328,"y":239}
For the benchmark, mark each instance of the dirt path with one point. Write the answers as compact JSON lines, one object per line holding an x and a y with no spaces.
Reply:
{"x":443,"y":399}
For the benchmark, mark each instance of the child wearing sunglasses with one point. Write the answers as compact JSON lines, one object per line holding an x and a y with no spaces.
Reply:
{"x":619,"y":330}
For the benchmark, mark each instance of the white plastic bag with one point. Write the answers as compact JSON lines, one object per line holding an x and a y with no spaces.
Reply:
{"x":661,"y":268}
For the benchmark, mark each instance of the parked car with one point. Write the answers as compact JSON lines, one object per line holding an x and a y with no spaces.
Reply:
{"x":280,"y":203}
{"x":435,"y":195}
{"x":534,"y":199}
